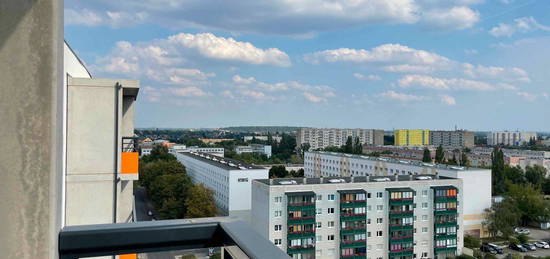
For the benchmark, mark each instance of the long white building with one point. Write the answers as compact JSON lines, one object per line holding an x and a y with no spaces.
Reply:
{"x":319,"y":138}
{"x":230,"y":180}
{"x":510,"y":138}
{"x":393,"y":217}
{"x":476,"y":181}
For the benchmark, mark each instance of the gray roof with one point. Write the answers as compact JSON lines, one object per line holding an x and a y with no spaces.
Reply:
{"x":398,"y":161}
{"x":238,"y":165}
{"x":355,"y":179}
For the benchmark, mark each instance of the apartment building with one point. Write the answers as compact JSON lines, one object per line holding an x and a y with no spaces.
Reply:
{"x":510,"y":138}
{"x":456,"y":138}
{"x":230,"y":180}
{"x":263,"y":138}
{"x":319,"y":138}
{"x":411,"y":137}
{"x":476,"y":181}
{"x":101,"y":162}
{"x":254,"y":148}
{"x":395,"y":217}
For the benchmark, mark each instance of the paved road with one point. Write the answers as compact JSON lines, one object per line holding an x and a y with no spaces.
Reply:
{"x":143,"y":205}
{"x":535,"y":235}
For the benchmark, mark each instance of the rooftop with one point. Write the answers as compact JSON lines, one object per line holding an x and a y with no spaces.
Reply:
{"x":221,"y":162}
{"x":355,"y":179}
{"x":399,"y":161}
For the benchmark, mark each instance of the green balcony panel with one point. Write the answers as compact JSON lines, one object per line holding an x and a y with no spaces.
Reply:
{"x":300,"y":235}
{"x":300,"y":221}
{"x":445,"y":212}
{"x":353,"y":231}
{"x":439,"y":237}
{"x":445,"y":249}
{"x":402,"y":240}
{"x":394,"y":215}
{"x":401,"y":202}
{"x":445,"y":199}
{"x":358,"y":244}
{"x":362,"y":204}
{"x":401,"y":253}
{"x":353,"y":217}
{"x":307,"y":206}
{"x":300,"y":250}
{"x":446,"y":224}
{"x":404,"y":227}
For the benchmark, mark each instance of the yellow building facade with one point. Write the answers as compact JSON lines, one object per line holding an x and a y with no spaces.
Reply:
{"x":411,"y":137}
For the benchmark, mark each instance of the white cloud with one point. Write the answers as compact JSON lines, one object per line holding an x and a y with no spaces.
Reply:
{"x":89,"y":17}
{"x":187,"y":91}
{"x":409,"y":69}
{"x":387,"y":53}
{"x":367,"y":77}
{"x":215,"y":47}
{"x":284,"y":17}
{"x":527,"y":96}
{"x":520,"y":25}
{"x":493,"y":72}
{"x":151,"y":94}
{"x":448,"y":100}
{"x":402,"y":97}
{"x":457,"y":18}
{"x":444,"y":83}
{"x":258,"y":90}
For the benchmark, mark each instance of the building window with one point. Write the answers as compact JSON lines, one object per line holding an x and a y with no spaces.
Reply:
{"x":424,"y":230}
{"x":278,"y":213}
{"x":319,"y":211}
{"x":319,"y":225}
{"x":369,"y":207}
{"x":424,"y":192}
{"x":319,"y":197}
{"x":379,"y":207}
{"x":424,"y":255}
{"x":368,"y":195}
{"x":331,"y":197}
{"x":368,"y":234}
{"x":240,"y":180}
{"x":278,"y":227}
{"x":330,"y":237}
{"x":368,"y":221}
{"x":379,"y":194}
{"x":278,"y":199}
{"x":424,"y":205}
{"x":379,"y":233}
{"x":318,"y":239}
{"x":330,"y":224}
{"x":424,"y":217}
{"x":330,"y":210}
{"x":278,"y":241}
{"x":379,"y":220}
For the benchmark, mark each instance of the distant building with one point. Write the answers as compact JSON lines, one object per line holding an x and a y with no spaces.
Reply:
{"x":319,"y":138}
{"x":476,"y":181}
{"x":411,"y":137}
{"x":510,"y":138}
{"x":230,"y":180}
{"x":263,"y":138}
{"x":394,"y":217}
{"x":254,"y":148}
{"x":216,"y":151}
{"x":214,"y":140}
{"x":456,"y":138}
{"x":173,"y":148}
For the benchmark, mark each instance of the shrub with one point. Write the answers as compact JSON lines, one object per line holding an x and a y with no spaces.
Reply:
{"x":522,"y":239}
{"x":471,"y":242}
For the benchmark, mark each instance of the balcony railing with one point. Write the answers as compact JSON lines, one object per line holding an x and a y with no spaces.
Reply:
{"x":129,"y":159}
{"x":154,"y":236}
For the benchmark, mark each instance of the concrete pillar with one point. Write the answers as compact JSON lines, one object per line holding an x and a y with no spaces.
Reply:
{"x":31,"y":106}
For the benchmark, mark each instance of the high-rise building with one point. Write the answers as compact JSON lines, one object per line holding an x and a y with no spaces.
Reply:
{"x":411,"y":137}
{"x":230,"y":180}
{"x":476,"y":181}
{"x":319,"y":138}
{"x":395,"y":217}
{"x":101,"y":162}
{"x":510,"y":138}
{"x":456,"y":138}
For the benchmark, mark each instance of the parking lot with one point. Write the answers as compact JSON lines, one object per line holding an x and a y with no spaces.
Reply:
{"x":535,"y":235}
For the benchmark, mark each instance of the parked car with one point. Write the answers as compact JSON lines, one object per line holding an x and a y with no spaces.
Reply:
{"x":517,"y":247}
{"x":496,"y":248}
{"x":530,"y":246}
{"x":542,"y":244}
{"x":522,"y":231}
{"x":487,"y":249}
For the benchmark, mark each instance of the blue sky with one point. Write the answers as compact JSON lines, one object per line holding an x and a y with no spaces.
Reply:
{"x":480,"y":65}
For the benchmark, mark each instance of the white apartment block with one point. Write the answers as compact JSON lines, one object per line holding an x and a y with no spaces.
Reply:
{"x":230,"y":180}
{"x":384,"y":217}
{"x":319,"y":138}
{"x":531,"y":154}
{"x":263,"y":138}
{"x":510,"y":138}
{"x":101,"y":161}
{"x":254,"y":148}
{"x":448,"y":138}
{"x":476,"y":181}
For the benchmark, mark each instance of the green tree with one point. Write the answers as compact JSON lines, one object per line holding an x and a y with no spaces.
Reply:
{"x":297,"y":174}
{"x":535,"y":175}
{"x":471,"y":242}
{"x":168,"y":193}
{"x":514,"y":175}
{"x":529,"y":201}
{"x":497,"y":171}
{"x":464,"y":161}
{"x":522,"y":239}
{"x":348,"y":148}
{"x":159,"y":152}
{"x":149,"y":172}
{"x":439,"y":154}
{"x":453,"y":160}
{"x":200,"y":202}
{"x":427,"y":157}
{"x":502,"y":217}
{"x":278,"y":171}
{"x":357,"y":147}
{"x":304,"y":148}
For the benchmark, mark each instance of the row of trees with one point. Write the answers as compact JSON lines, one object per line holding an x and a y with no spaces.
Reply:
{"x":440,"y":157}
{"x":279,"y":171}
{"x":173,"y":194}
{"x":352,"y":146}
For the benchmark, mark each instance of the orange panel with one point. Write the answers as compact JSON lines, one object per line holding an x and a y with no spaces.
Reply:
{"x":127,"y":256}
{"x":130,"y":163}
